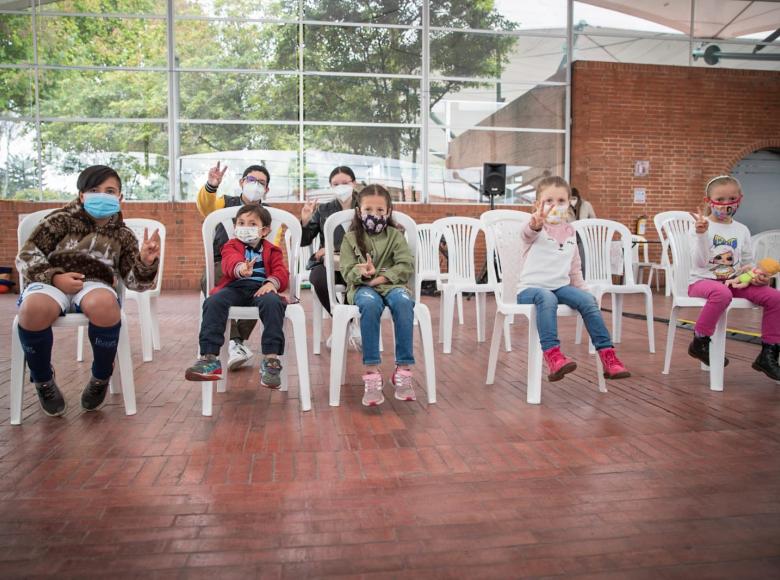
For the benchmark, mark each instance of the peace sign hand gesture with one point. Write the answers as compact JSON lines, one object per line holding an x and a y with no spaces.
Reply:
{"x":150,"y":247}
{"x":701,"y":221}
{"x":368,"y":269}
{"x":540,"y":216}
{"x":247,"y":268}
{"x":216,"y":175}
{"x":308,"y":210}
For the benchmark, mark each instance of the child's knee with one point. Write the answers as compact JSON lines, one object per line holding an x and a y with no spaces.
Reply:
{"x":720,"y":295}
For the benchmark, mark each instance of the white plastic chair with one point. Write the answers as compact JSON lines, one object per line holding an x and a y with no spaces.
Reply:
{"x":676,"y":228}
{"x":344,"y":313}
{"x":597,"y":236}
{"x":124,"y":359}
{"x":767,"y":245}
{"x":460,"y":233}
{"x":639,"y":256}
{"x":503,"y":230}
{"x":294,"y":314}
{"x":429,"y":269}
{"x":146,"y":300}
{"x":664,"y":265}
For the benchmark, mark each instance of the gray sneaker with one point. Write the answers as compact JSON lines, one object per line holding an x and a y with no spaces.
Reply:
{"x":271,"y":373}
{"x":372,"y":385}
{"x":51,"y":399}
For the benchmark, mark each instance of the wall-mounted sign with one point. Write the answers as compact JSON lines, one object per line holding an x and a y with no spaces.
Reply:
{"x":640,"y":195}
{"x":641,"y":168}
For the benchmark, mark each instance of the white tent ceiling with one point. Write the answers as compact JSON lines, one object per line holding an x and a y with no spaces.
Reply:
{"x":712,"y":18}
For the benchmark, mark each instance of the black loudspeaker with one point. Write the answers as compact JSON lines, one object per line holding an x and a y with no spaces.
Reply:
{"x":494,"y":179}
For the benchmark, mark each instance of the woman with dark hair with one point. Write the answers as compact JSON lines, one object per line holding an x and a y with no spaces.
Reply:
{"x":581,"y":209}
{"x":313,"y":218}
{"x":70,"y":263}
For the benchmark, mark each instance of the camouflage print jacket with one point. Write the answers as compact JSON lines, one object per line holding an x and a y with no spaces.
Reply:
{"x":70,"y":240}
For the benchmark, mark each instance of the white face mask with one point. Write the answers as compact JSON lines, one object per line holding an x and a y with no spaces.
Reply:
{"x":558,"y":214}
{"x":343,"y":192}
{"x":573,"y":201}
{"x":248,"y":234}
{"x":253,"y":191}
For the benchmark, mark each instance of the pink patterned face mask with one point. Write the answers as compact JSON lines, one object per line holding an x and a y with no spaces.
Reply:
{"x":723,"y":210}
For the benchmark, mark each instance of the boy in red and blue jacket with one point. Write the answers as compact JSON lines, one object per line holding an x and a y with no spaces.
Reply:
{"x":254,"y":273}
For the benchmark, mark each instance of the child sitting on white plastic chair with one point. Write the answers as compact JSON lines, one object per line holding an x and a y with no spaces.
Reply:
{"x":253,"y":273}
{"x":376,"y":264}
{"x":70,"y":263}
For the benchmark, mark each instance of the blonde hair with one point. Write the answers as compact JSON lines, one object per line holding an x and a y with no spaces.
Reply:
{"x":721,"y":180}
{"x":553,"y":181}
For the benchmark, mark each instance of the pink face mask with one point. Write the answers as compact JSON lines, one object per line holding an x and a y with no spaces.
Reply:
{"x":723,"y":210}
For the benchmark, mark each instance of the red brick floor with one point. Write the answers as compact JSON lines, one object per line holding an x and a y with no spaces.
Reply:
{"x":659,"y":478}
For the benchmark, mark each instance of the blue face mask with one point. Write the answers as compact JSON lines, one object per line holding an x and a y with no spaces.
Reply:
{"x":101,"y":205}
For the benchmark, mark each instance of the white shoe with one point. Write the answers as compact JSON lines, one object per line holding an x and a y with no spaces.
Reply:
{"x":239,"y":355}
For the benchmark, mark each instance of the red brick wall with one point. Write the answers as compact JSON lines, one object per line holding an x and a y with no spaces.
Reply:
{"x":184,"y":248}
{"x":690,"y":123}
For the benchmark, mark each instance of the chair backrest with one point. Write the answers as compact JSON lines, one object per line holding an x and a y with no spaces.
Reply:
{"x":677,"y":231}
{"x":639,"y":249}
{"x":503,"y":230}
{"x":597,"y":236}
{"x":658,"y":220}
{"x":343,"y":218}
{"x":26,"y":227}
{"x":428,"y":238}
{"x":460,"y":233}
{"x":767,"y":245}
{"x":138,"y":225}
{"x":279,"y":219}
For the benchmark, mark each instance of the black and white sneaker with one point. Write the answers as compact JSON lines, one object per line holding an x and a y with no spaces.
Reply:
{"x":51,"y":399}
{"x":94,"y":394}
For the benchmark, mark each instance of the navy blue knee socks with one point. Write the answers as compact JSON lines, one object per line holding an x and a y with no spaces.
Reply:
{"x":37,"y":351}
{"x":104,"y":342}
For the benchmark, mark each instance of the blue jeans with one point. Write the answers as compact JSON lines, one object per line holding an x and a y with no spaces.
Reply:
{"x":547,"y":301}
{"x":371,"y":304}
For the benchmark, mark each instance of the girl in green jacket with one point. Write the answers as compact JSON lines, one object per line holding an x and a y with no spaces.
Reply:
{"x":376,"y":264}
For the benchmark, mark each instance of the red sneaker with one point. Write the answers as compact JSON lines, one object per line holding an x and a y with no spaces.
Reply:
{"x":613,"y":368}
{"x":557,"y":364}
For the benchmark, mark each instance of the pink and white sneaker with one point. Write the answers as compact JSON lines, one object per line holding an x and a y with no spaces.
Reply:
{"x":402,"y":381}
{"x":372,"y":389}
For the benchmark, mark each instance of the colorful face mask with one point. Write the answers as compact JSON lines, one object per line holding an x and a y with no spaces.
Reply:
{"x":248,"y":234}
{"x":253,"y":191}
{"x":724,"y":210}
{"x":558,"y":214}
{"x":374,"y":224}
{"x":101,"y":205}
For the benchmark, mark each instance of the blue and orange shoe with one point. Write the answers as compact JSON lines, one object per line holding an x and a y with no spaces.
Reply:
{"x":206,"y":368}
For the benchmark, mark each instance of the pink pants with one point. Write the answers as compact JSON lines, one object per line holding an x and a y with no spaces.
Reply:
{"x":719,"y":296}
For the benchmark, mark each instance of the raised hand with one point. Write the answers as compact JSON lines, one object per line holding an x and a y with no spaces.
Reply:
{"x":215,"y":175}
{"x":368,"y":269}
{"x":308,"y":210}
{"x":150,"y":247}
{"x":540,"y":216}
{"x":247,"y":268}
{"x":69,"y":282}
{"x":702,"y":223}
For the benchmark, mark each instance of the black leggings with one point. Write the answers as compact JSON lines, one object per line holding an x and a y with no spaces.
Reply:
{"x":319,"y":281}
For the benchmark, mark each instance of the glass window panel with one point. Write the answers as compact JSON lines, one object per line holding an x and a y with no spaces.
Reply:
{"x":110,"y":94}
{"x":513,"y":58}
{"x":238,"y":146}
{"x":633,"y":50}
{"x":88,"y":41}
{"x":16,"y":34}
{"x":282,"y":9}
{"x":138,"y":151}
{"x":384,"y":155}
{"x":250,"y":45}
{"x":405,"y":12}
{"x":246,"y":96}
{"x":741,"y":48}
{"x":18,"y":161}
{"x":362,"y":49}
{"x":490,"y":104}
{"x":455,"y":168}
{"x":157,"y":7}
{"x":369,"y":100}
{"x":17,"y":92}
{"x":500,"y":14}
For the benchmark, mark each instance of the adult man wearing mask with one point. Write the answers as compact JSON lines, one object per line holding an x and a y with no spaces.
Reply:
{"x":254,"y":187}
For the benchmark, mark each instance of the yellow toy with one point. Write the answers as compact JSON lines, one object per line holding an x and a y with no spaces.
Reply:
{"x":768,"y":266}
